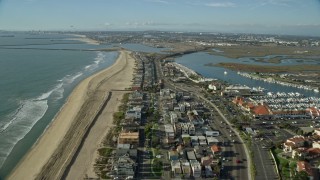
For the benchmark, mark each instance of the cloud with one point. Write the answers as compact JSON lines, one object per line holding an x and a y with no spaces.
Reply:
{"x":262,"y":3}
{"x":107,"y":24}
{"x":221,"y":4}
{"x":158,"y":1}
{"x":146,"y":23}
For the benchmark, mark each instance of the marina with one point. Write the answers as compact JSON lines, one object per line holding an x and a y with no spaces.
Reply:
{"x":271,"y":80}
{"x":198,"y":61}
{"x":293,"y":101}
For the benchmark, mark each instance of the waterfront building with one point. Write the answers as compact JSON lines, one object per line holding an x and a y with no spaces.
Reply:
{"x":127,"y":137}
{"x":293,"y":143}
{"x":133,"y":113}
{"x":124,"y":167}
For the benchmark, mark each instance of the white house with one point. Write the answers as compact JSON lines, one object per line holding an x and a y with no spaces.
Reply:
{"x":196,"y":168}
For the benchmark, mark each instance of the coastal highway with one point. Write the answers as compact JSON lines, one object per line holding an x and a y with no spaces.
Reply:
{"x":263,"y":161}
{"x":239,"y":149}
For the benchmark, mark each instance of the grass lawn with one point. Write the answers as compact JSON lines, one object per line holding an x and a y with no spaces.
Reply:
{"x":284,"y":165}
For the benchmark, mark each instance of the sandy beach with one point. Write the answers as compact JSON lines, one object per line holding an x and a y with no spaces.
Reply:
{"x":53,"y":152}
{"x":84,"y":39}
{"x":83,"y":165}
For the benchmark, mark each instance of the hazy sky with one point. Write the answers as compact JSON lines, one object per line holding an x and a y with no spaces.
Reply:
{"x":256,"y":16}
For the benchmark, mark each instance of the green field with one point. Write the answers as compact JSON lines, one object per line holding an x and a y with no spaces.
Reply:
{"x":267,"y":69}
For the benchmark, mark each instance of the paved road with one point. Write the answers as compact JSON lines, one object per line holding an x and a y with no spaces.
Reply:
{"x":238,"y":151}
{"x":233,"y":151}
{"x":264,"y":163}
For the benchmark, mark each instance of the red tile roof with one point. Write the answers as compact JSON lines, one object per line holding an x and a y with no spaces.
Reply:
{"x":238,"y":100}
{"x":314,"y":111}
{"x":304,"y":166}
{"x":314,"y":151}
{"x":289,"y":144}
{"x":301,"y":150}
{"x":261,"y":110}
{"x":215,"y":148}
{"x":296,"y":139}
{"x":250,"y":105}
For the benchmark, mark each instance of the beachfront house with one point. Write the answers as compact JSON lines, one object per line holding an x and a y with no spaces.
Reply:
{"x":128,"y":137}
{"x":124,"y":167}
{"x":133,"y":114}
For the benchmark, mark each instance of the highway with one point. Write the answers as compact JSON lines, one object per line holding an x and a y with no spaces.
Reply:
{"x":264,"y":163}
{"x":237,"y":151}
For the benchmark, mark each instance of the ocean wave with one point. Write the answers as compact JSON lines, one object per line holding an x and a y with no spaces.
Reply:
{"x":22,"y":121}
{"x":19,"y":123}
{"x":87,"y":67}
{"x":68,"y":79}
{"x":57,"y":91}
{"x":48,"y":94}
{"x":100,"y":58}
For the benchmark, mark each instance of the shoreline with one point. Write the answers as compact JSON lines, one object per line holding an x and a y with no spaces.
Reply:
{"x":83,"y":38}
{"x":30,"y":165}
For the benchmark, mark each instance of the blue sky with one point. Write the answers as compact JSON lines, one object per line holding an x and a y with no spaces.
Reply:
{"x":249,"y":16}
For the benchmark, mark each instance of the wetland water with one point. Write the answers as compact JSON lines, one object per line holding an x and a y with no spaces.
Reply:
{"x":198,"y":61}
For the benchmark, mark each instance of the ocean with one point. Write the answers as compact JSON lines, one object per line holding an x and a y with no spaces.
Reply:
{"x":37,"y":73}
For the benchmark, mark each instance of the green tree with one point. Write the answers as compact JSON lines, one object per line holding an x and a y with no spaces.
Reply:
{"x":302,"y":175}
{"x":239,"y":127}
{"x":155,"y":141}
{"x":147,"y":130}
{"x":150,"y":111}
{"x":117,"y":117}
{"x":216,"y":169}
{"x":234,"y":120}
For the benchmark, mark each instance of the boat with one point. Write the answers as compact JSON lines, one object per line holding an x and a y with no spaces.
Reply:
{"x":225,"y":73}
